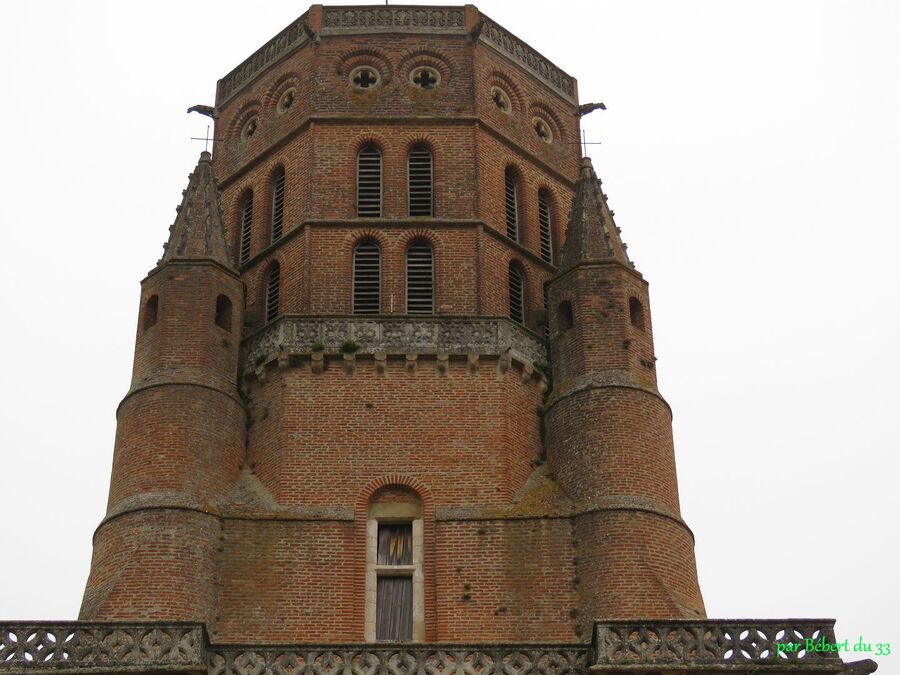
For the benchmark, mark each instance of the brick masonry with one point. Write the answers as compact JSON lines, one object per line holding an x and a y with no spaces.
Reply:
{"x":240,"y":492}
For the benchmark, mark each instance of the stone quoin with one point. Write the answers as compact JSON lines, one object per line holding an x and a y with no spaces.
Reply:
{"x":394,"y":404}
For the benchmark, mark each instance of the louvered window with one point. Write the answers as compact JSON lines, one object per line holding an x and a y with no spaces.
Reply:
{"x":546,"y":330}
{"x":272,"y":290}
{"x":516,"y":295}
{"x":278,"y":204}
{"x":544,"y":219}
{"x":419,"y":278}
{"x":367,"y":278}
{"x":420,"y":182}
{"x":512,"y":207}
{"x":368,"y":183}
{"x":246,"y":226}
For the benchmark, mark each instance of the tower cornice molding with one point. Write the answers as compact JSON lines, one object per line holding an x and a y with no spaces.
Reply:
{"x":612,"y":379}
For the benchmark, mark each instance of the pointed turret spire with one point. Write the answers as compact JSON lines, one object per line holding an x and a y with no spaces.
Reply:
{"x":198,"y":231}
{"x":591,"y":233}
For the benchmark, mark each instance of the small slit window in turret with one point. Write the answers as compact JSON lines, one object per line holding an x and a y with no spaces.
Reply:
{"x":250,"y":128}
{"x":542,"y":130}
{"x":287,"y":100}
{"x":425,"y":77}
{"x":364,"y":77}
{"x":501,"y":100}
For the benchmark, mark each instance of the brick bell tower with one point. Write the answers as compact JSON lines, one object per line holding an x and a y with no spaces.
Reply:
{"x":339,"y":427}
{"x":353,"y":442}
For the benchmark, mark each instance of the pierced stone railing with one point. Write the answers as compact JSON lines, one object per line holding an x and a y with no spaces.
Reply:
{"x":426,"y":659}
{"x":394,"y":335}
{"x":709,"y":646}
{"x":733,"y":645}
{"x":101,"y":647}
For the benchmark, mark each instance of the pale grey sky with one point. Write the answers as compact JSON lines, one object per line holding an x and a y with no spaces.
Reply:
{"x":751,"y":151}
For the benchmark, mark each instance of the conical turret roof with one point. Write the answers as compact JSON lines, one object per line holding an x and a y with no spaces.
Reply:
{"x":198,"y":231}
{"x":591,"y":233}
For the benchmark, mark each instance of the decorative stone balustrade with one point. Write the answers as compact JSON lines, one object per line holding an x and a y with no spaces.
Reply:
{"x":713,"y":645}
{"x":101,"y":647}
{"x":394,"y":335}
{"x":402,"y":659}
{"x":682,"y":646}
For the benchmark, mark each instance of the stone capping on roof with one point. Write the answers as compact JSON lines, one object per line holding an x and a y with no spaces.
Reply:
{"x":368,"y":19}
{"x":286,"y":42}
{"x":411,"y":19}
{"x":513,"y":48}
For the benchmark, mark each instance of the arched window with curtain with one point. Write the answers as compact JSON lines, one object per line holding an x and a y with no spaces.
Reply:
{"x":544,"y":219}
{"x":367,"y":278}
{"x":246,"y":226}
{"x":512,"y":204}
{"x":419,"y":166}
{"x":368,"y":182}
{"x":277,"y":203}
{"x":516,"y":294}
{"x":419,"y":278}
{"x":273,"y":290}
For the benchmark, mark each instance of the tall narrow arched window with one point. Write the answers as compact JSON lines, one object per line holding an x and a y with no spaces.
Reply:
{"x":516,"y":294}
{"x":544,"y":220}
{"x":636,"y":311}
{"x":246,"y":226}
{"x":368,"y":182}
{"x":419,"y":179}
{"x":151,"y":311}
{"x":277,"y":203}
{"x":512,"y":205}
{"x":419,"y":278}
{"x":273,"y":288}
{"x":366,"y":278}
{"x":223,"y":312}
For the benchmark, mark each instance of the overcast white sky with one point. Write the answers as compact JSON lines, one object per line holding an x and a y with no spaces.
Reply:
{"x":751,"y":151}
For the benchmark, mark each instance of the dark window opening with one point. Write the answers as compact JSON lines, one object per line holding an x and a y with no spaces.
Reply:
{"x":512,"y":206}
{"x":246,"y":227}
{"x":426,"y":78}
{"x":544,"y":220}
{"x":419,"y":278}
{"x":278,"y":203}
{"x":223,"y":312}
{"x":516,"y":295}
{"x":272,"y":290}
{"x":151,"y":310}
{"x":365,"y":78}
{"x":564,"y":317}
{"x":636,"y":310}
{"x":420,"y":178}
{"x":368,"y":183}
{"x":367,"y":278}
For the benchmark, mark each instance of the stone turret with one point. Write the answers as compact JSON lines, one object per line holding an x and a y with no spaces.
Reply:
{"x":609,"y":431}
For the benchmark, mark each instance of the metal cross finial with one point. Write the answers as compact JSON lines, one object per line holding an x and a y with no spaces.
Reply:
{"x":206,"y":138}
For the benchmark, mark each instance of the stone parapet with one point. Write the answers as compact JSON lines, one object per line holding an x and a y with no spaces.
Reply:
{"x":298,"y":335}
{"x":674,"y":646}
